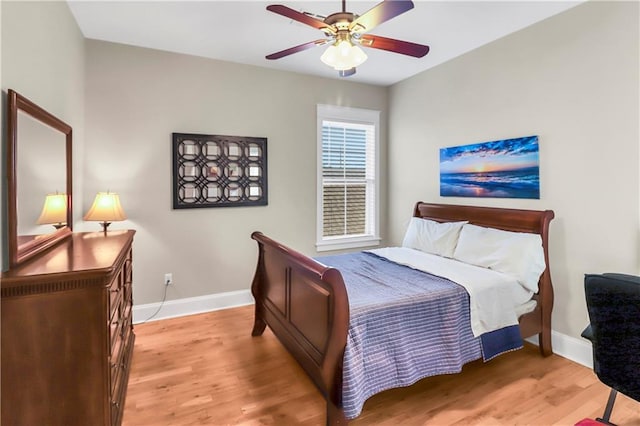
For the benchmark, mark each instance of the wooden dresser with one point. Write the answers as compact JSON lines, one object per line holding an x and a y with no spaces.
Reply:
{"x":67,"y":336}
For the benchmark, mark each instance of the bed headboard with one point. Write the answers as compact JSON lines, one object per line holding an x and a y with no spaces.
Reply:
{"x":532,"y":221}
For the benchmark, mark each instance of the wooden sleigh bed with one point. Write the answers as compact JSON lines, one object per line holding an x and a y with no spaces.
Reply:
{"x":306,"y":306}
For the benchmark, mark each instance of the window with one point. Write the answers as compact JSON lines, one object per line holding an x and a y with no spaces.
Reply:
{"x":347,"y":178}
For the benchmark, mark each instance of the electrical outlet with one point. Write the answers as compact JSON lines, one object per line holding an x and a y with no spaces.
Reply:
{"x":168,"y":279}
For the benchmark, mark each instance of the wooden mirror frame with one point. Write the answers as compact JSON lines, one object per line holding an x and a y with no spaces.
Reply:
{"x":20,"y":252}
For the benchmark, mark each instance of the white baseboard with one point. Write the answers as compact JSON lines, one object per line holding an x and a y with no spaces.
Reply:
{"x":577,"y":350}
{"x":191,"y":305}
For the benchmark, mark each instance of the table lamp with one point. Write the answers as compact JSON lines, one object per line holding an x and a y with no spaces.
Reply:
{"x":106,"y":208}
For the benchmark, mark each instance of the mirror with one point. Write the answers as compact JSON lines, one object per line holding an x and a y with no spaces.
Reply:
{"x":38,"y":166}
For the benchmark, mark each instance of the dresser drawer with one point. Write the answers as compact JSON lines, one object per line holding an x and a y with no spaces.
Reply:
{"x":128,"y":269}
{"x":121,"y":331}
{"x":115,"y":341}
{"x":116,"y":304}
{"x":116,"y":411}
{"x":115,"y":321}
{"x":126,"y":295}
{"x":115,"y":292}
{"x":117,"y":362}
{"x":116,"y":357}
{"x":120,"y":362}
{"x":120,"y":380}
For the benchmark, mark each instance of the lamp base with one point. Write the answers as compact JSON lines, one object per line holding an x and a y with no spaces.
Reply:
{"x":105,"y":225}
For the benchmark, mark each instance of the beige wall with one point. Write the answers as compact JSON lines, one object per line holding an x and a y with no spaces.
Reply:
{"x":137,"y":97}
{"x":43,"y":60}
{"x":573,"y":81}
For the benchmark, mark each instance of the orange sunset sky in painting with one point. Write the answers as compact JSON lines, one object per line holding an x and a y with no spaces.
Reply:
{"x":511,"y":154}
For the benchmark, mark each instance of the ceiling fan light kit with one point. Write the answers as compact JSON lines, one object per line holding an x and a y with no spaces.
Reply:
{"x":343,"y":56}
{"x":345,"y":31}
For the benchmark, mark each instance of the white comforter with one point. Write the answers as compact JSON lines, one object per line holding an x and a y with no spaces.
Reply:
{"x":494,"y":297}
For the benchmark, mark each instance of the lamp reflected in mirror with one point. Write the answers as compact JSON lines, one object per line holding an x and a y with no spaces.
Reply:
{"x":106,"y":208}
{"x":54,"y":211}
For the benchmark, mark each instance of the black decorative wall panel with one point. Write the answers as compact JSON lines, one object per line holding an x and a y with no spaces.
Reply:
{"x":218,"y":171}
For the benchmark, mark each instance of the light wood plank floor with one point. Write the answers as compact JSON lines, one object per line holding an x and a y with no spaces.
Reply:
{"x":207,"y":370}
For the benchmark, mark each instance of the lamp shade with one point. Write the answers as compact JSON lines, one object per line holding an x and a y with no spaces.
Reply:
{"x":343,"y":55}
{"x":106,"y":208}
{"x":54,"y":210}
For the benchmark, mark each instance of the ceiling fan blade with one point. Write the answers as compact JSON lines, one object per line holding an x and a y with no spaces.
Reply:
{"x":392,"y":45}
{"x":297,"y":49}
{"x":299,"y":16}
{"x":380,"y":13}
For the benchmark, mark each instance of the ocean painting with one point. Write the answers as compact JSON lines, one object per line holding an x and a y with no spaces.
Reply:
{"x":508,"y":168}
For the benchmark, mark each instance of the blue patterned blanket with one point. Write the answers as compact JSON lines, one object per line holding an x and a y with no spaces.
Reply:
{"x":405,"y":325}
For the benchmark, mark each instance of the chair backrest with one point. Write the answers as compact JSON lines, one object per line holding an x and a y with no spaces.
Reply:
{"x":613,"y":302}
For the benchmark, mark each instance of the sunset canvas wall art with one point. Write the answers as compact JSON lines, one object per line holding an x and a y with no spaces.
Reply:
{"x":507,"y":168}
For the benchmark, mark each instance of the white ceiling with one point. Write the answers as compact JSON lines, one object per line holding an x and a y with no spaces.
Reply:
{"x":244,"y":31}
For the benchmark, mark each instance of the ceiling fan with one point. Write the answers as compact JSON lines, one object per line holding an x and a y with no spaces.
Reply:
{"x":344,"y":31}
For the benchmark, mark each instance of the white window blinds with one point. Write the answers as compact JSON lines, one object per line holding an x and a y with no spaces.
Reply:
{"x":348,"y":181}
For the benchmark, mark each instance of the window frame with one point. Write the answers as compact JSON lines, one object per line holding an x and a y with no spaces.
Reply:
{"x":356,"y":116}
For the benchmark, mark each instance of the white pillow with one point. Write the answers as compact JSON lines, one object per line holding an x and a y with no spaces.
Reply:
{"x":518,"y":254}
{"x":432,"y":237}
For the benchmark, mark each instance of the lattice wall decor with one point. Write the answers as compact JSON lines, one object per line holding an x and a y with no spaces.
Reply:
{"x":219,"y":171}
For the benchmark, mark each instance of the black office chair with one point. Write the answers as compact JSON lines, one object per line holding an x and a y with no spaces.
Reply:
{"x":613,"y":302}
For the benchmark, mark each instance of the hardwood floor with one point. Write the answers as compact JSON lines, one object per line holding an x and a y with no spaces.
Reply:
{"x":207,"y":370}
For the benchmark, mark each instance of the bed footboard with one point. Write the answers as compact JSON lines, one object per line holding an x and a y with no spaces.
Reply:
{"x":305,"y":304}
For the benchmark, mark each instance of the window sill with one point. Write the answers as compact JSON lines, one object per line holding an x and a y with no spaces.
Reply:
{"x":347,"y":243}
